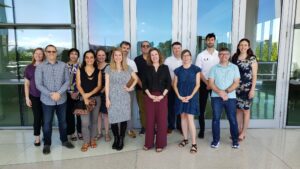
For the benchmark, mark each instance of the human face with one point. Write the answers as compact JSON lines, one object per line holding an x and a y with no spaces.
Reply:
{"x":210,"y":42}
{"x":73,"y":56}
{"x":145,"y":47}
{"x":89,"y":59}
{"x":118,"y":57}
{"x":243,"y":47}
{"x":176,"y":49}
{"x":38,"y":56}
{"x":154,"y":56}
{"x":101,"y":56}
{"x":224,"y":56}
{"x":51,"y":53}
{"x":186,"y":58}
{"x":125,"y":49}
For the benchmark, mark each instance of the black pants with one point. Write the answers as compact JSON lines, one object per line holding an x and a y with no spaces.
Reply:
{"x":203,"y":96}
{"x":70,"y":117}
{"x":37,"y":114}
{"x":115,"y":129}
{"x":172,"y":118}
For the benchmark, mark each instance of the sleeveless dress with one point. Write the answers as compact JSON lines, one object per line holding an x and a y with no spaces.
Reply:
{"x":89,"y":83}
{"x":103,"y":108}
{"x":120,"y":109}
{"x":242,"y":92}
{"x":186,"y":84}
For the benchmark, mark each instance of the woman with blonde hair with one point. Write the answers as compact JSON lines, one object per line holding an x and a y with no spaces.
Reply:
{"x":117,"y":89}
{"x":32,"y":94}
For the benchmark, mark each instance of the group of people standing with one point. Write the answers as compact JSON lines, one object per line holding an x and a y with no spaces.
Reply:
{"x":169,"y":93}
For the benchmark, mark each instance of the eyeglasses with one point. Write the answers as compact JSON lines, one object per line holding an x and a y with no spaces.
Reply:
{"x":145,"y":46}
{"x":49,"y":51}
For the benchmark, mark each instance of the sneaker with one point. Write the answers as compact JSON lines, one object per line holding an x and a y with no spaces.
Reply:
{"x":131,"y":134}
{"x":68,"y":144}
{"x":142,"y":131}
{"x":235,"y":145}
{"x":214,"y":145}
{"x":46,"y":149}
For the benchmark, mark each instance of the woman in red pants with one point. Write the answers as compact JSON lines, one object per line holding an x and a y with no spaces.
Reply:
{"x":156,"y":83}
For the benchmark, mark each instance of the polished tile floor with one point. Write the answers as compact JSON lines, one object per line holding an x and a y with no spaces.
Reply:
{"x":262,"y":149}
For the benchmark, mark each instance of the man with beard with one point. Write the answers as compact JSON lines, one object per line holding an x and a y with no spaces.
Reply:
{"x":206,"y":60}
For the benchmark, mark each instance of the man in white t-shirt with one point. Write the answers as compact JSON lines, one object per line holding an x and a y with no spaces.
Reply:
{"x":206,"y":60}
{"x":125,"y":46}
{"x":173,"y":62}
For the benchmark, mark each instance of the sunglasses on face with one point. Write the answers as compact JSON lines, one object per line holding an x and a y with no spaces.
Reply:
{"x":49,"y":51}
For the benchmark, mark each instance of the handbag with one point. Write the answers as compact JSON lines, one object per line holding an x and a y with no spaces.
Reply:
{"x":82,"y":109}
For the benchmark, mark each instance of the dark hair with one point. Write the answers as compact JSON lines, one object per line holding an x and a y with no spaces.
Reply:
{"x":144,"y":42}
{"x":238,"y":52}
{"x":176,"y":43}
{"x":125,"y":43}
{"x":83,"y":60}
{"x":161,"y":57}
{"x":50,"y":45}
{"x":73,"y":50}
{"x":210,"y":35}
{"x":224,"y":49}
{"x":102,"y":49}
{"x":185,"y":51}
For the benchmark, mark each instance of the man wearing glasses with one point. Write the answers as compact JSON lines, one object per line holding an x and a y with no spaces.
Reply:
{"x":141,"y":63}
{"x":52,"y":79}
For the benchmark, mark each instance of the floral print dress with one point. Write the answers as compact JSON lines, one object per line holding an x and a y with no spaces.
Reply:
{"x":242,"y":92}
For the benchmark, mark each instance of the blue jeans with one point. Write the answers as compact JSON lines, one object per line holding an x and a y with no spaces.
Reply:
{"x":217,"y":105}
{"x":48,"y":112}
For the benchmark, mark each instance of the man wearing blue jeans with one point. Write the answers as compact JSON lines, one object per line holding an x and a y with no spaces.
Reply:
{"x":52,"y":79}
{"x":224,"y":78}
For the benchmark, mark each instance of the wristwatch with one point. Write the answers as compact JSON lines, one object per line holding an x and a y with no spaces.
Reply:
{"x":226,"y":90}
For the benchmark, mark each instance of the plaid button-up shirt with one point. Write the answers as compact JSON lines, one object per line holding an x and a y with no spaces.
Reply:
{"x":52,"y":78}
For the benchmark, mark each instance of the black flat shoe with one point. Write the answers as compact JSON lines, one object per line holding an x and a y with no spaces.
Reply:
{"x":37,"y":144}
{"x":46,"y":149}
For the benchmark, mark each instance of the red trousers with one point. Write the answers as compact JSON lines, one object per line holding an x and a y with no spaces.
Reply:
{"x":156,"y":118}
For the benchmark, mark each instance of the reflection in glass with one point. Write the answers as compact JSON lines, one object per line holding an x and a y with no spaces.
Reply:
{"x":29,"y":39}
{"x":293,"y":116}
{"x":262,"y":28}
{"x":6,"y":14}
{"x":106,"y":25}
{"x":45,"y":11}
{"x":214,"y":17}
{"x":9,"y":111}
{"x":157,"y":31}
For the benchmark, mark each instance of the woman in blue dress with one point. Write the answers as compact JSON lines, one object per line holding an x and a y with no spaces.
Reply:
{"x":186,"y":85}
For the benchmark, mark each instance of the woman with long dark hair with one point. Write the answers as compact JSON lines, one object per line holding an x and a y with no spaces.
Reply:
{"x":88,"y":81}
{"x":246,"y":61}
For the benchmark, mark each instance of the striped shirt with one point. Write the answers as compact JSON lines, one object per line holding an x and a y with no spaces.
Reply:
{"x":52,"y":78}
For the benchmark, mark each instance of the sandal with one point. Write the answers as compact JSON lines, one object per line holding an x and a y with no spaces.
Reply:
{"x":193,"y":148}
{"x":145,"y":148}
{"x":85,"y":147}
{"x":80,"y":136}
{"x":183,"y":143}
{"x":107,"y":138}
{"x":93,"y":143}
{"x":73,"y":137}
{"x":158,"y":150}
{"x":99,"y":136}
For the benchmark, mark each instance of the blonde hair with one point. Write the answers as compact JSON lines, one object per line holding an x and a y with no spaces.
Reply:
{"x":33,"y":59}
{"x":113,"y":64}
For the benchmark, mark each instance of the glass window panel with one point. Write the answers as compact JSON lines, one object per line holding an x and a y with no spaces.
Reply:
{"x":8,"y":64}
{"x":6,"y":13}
{"x":29,"y":39}
{"x":214,"y":17}
{"x":298,"y":13}
{"x":157,"y":31}
{"x":293,"y":116}
{"x":106,"y":25}
{"x":9,"y":109}
{"x":46,"y":11}
{"x":262,"y":28}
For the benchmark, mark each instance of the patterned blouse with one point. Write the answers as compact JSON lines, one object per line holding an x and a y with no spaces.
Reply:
{"x":73,"y":70}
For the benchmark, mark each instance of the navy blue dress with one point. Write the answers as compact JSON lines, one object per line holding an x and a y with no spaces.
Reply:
{"x":103,"y":108}
{"x":186,"y":84}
